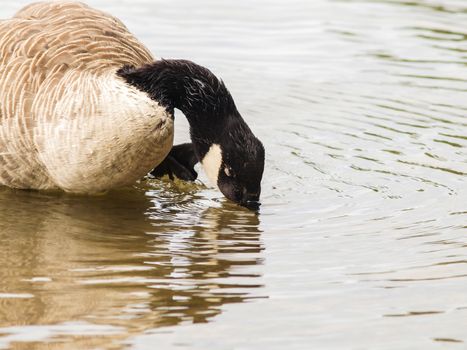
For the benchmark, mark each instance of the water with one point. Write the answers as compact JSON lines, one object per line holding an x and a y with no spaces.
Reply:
{"x":361,"y":239}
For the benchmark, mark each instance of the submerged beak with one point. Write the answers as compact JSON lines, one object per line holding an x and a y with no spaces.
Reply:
{"x":244,"y":198}
{"x":252,"y":205}
{"x":250,"y":200}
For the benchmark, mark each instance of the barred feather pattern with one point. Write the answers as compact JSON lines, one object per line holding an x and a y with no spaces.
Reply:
{"x":67,"y":121}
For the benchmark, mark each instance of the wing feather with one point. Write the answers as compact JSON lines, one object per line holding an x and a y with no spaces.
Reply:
{"x":39,"y":47}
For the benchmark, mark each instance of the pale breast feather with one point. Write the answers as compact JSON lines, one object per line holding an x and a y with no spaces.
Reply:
{"x":61,"y":104}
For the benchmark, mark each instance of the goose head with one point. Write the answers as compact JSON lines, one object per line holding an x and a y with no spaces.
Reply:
{"x":234,"y":162}
{"x":231,"y":155}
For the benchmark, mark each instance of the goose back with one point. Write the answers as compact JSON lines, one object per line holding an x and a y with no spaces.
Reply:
{"x":66,"y":119}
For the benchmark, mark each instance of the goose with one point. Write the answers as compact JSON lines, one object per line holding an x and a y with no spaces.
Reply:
{"x":85,"y":108}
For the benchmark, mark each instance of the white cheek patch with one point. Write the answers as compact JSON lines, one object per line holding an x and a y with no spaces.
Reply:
{"x":212,"y":163}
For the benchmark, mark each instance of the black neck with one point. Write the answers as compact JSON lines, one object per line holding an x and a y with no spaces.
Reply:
{"x":193,"y":89}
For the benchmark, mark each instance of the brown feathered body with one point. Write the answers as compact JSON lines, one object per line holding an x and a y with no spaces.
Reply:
{"x":67,"y":121}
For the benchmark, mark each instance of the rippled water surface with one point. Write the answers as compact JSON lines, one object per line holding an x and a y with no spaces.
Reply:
{"x":361,"y":239}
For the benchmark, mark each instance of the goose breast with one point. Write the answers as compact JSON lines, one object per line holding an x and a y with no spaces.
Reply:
{"x":67,"y":121}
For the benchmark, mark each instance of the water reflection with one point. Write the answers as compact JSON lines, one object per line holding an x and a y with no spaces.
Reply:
{"x":120,"y":263}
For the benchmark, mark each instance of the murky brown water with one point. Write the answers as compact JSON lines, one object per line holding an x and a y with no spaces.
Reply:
{"x":361,"y":240}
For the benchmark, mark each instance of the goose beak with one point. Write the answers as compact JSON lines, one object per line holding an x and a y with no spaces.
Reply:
{"x":252,"y":205}
{"x":244,"y":198}
{"x":250,"y":200}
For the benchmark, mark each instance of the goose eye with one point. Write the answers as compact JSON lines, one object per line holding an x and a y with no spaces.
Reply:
{"x":228,"y":171}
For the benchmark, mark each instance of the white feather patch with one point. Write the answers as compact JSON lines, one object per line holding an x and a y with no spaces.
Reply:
{"x":212,"y":163}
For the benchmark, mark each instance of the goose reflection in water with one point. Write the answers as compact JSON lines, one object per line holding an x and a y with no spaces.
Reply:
{"x":95,"y":270}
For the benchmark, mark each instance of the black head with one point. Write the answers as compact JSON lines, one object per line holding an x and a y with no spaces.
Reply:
{"x":242,"y":164}
{"x":231,"y":155}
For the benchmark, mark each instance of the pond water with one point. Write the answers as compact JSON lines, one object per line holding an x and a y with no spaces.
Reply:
{"x":360,"y":242}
